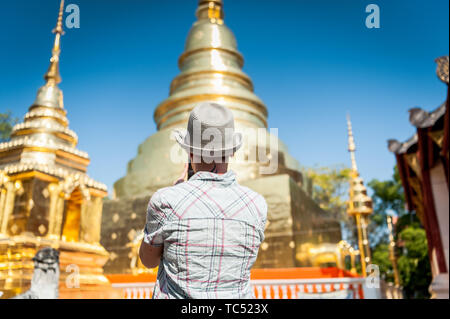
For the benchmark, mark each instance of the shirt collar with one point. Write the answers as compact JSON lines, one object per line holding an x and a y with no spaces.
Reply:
{"x":228,"y":178}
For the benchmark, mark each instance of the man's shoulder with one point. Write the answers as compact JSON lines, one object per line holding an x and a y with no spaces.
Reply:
{"x":167,"y":195}
{"x":256,"y":197}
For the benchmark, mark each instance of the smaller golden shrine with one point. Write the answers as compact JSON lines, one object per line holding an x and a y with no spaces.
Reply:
{"x":47,"y":199}
{"x":327,"y":255}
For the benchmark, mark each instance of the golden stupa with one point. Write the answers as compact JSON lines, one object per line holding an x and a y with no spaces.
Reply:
{"x":47,"y":199}
{"x":211,"y":70}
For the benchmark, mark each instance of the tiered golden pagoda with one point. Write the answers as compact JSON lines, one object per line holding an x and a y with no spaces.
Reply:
{"x":359,"y":204}
{"x":211,"y":70}
{"x":47,"y":199}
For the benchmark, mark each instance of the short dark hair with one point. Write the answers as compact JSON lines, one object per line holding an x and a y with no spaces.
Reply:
{"x":223,"y":159}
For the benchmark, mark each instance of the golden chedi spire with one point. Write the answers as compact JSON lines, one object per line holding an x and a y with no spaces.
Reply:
{"x":210,"y":9}
{"x":210,"y":71}
{"x":359,"y":203}
{"x":43,"y":141}
{"x":351,"y":146}
{"x":52,"y":76}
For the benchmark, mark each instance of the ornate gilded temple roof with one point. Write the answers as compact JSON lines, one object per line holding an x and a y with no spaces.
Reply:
{"x":43,"y":142}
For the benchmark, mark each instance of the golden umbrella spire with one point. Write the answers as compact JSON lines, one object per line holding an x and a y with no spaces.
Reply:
{"x":351,"y":146}
{"x":359,"y":204}
{"x":52,"y":76}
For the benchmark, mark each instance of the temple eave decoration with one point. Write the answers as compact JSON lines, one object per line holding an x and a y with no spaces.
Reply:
{"x":423,"y":165}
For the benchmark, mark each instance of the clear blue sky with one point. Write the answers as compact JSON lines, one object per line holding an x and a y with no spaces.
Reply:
{"x":311,"y":62}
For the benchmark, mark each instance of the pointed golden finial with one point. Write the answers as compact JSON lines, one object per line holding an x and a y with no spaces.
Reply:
{"x":210,"y":9}
{"x":351,"y":145}
{"x":52,"y":76}
{"x":359,"y":204}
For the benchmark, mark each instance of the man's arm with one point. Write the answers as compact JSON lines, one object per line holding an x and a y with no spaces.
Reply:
{"x":150,"y":255}
{"x":152,"y":245}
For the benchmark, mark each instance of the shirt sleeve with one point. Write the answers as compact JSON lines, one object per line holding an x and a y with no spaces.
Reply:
{"x":156,"y":219}
{"x":263,"y":210}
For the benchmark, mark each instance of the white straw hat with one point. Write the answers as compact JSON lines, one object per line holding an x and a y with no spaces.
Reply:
{"x":210,"y":132}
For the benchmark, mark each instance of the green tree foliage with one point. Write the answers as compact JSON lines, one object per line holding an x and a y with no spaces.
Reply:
{"x":6,"y":124}
{"x":412,"y":250}
{"x":380,"y":257}
{"x":413,"y":263}
{"x":330,"y":188}
{"x":388,"y":198}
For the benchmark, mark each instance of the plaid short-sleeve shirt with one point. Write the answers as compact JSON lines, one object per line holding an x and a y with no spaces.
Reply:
{"x":211,"y":228}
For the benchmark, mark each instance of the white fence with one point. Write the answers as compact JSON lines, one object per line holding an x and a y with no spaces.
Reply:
{"x":326,"y":288}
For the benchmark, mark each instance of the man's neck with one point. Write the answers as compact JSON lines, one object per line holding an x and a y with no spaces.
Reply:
{"x":221,"y":168}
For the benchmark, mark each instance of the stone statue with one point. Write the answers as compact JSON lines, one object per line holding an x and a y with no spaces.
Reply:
{"x":44,"y":284}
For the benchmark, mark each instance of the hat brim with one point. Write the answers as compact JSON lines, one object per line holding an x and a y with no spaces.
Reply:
{"x":181,"y":134}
